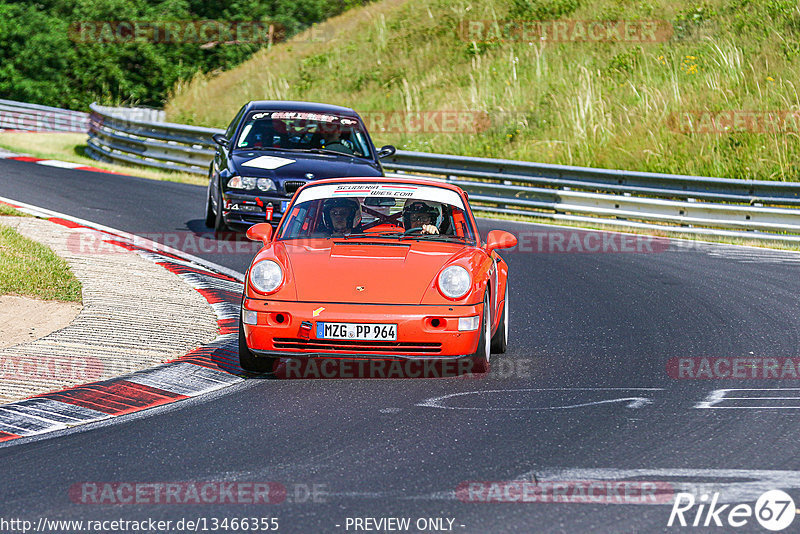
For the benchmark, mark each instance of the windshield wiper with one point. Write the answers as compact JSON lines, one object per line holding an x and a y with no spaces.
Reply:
{"x":325,"y":151}
{"x":257,"y":149}
{"x":436,"y":237}
{"x":385,"y":233}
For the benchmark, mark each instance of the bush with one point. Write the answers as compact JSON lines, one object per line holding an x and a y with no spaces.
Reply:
{"x":43,"y":59}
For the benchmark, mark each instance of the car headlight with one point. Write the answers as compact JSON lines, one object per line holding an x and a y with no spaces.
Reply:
{"x":454,"y":282}
{"x":266,"y":276}
{"x":265,"y":184}
{"x":246,"y":182}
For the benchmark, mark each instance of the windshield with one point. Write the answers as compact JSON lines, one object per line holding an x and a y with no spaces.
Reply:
{"x":294,"y":130}
{"x":400,"y":211}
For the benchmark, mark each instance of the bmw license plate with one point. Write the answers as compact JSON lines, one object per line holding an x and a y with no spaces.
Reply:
{"x":284,"y":205}
{"x":357,"y":331}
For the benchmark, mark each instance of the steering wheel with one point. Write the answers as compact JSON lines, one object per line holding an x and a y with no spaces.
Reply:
{"x":412,"y":231}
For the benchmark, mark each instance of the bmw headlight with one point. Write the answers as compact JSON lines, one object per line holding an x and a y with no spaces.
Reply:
{"x":266,"y":276}
{"x":265,"y":184}
{"x":454,"y":282}
{"x":244,"y":182}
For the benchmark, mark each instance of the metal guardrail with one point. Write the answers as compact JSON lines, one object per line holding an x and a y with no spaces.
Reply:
{"x":755,"y":209}
{"x":21,"y":116}
{"x":163,"y":145}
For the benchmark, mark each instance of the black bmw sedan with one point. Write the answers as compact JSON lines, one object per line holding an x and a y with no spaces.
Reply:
{"x":272,"y":148}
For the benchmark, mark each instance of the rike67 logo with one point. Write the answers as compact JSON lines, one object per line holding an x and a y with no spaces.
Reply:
{"x":774,"y":510}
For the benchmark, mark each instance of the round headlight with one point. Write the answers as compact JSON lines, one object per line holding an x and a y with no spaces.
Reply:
{"x":454,"y":282}
{"x":248,"y":182}
{"x":266,"y":276}
{"x":265,"y":184}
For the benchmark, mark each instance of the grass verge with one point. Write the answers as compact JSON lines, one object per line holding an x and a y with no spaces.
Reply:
{"x":5,"y":209}
{"x":646,"y":104}
{"x":28,"y":268}
{"x":71,"y":147}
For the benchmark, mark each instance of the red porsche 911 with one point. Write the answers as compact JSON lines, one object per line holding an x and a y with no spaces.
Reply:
{"x":375,"y":268}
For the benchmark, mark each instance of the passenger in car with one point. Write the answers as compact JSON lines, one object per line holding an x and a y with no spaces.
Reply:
{"x":418,"y":214}
{"x":341,"y":216}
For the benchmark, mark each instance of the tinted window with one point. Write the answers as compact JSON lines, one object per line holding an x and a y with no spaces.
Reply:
{"x":290,"y":130}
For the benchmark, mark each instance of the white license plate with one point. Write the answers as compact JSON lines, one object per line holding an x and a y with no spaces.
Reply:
{"x":357,"y":331}
{"x":284,"y":205}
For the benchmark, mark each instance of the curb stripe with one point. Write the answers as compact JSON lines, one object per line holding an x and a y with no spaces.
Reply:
{"x":62,"y":164}
{"x":184,"y":379}
{"x":64,"y":222}
{"x":59,"y":412}
{"x":117,"y":397}
{"x":209,"y":367}
{"x":5,"y":436}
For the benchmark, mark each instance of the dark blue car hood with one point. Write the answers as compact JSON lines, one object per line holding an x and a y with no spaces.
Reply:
{"x":288,"y":164}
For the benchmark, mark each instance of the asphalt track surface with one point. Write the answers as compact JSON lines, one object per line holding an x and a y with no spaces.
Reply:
{"x":582,"y":392}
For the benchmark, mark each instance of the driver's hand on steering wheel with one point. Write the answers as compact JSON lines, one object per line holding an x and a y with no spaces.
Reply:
{"x":429,"y":229}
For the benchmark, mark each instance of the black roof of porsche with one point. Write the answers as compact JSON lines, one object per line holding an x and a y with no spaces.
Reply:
{"x":289,"y":105}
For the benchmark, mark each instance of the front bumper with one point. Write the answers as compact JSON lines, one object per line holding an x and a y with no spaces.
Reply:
{"x":423,"y":332}
{"x":241,"y":209}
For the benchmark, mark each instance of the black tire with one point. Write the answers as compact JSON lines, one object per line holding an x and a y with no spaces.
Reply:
{"x":210,"y":218}
{"x":248,"y":360}
{"x":480,"y":359}
{"x":219,"y":221}
{"x":500,"y":338}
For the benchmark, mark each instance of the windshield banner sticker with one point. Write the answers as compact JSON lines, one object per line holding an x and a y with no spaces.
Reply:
{"x":421,"y":192}
{"x":302,"y":115}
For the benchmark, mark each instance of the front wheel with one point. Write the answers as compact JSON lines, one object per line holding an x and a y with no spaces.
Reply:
{"x":248,"y":360}
{"x":210,"y":218}
{"x":500,"y":339}
{"x":480,"y":359}
{"x":219,"y":221}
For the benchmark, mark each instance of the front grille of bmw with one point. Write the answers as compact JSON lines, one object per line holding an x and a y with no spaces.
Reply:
{"x":356,"y":346}
{"x":291,"y":186}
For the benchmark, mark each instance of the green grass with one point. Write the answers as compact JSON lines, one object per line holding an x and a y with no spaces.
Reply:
{"x":608,"y":105}
{"x":71,"y":147}
{"x":31,"y":269}
{"x":5,"y":209}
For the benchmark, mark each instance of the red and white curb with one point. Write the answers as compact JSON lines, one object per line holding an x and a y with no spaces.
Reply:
{"x":207,"y":368}
{"x":55,"y":163}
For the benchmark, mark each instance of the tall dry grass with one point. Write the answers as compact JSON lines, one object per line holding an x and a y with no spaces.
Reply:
{"x":578,"y":103}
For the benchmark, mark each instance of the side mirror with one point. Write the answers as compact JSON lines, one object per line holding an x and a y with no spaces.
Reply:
{"x":263,"y":232}
{"x":386,"y":151}
{"x":499,"y":239}
{"x":221,"y":140}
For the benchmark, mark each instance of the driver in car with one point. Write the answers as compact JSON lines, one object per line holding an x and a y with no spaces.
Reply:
{"x":341,"y":216}
{"x":418,"y":214}
{"x":334,"y":141}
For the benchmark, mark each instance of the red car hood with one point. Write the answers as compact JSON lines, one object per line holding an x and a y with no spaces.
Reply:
{"x":375,"y":271}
